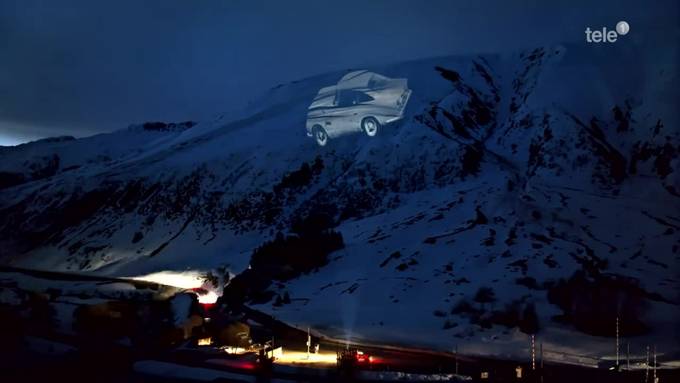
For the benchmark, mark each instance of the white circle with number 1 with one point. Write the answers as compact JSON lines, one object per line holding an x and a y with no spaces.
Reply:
{"x":622,"y":28}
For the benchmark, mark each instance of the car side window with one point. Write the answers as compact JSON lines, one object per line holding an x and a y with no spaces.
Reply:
{"x":343,"y":98}
{"x":351,"y":97}
{"x":362,"y":97}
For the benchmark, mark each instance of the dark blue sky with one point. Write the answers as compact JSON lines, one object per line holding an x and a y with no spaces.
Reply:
{"x":80,"y":67}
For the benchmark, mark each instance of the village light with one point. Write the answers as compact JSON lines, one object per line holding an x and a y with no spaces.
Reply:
{"x":301,"y":357}
{"x":182,"y":280}
{"x":208,"y":298}
{"x":363,"y":358}
{"x":234,"y":350}
{"x":188,"y":280}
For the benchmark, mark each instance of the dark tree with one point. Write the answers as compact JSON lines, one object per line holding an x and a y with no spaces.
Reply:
{"x":471,"y":160}
{"x":285,"y":257}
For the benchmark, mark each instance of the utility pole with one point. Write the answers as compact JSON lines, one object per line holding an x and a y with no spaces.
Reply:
{"x":456,"y":357}
{"x":628,"y":356}
{"x":533,"y":352}
{"x":655,"y":381}
{"x":541,"y":361}
{"x":617,"y":343}
{"x":647,"y":367}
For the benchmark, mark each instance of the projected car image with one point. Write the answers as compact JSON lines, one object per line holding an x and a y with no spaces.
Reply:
{"x":361,"y":102}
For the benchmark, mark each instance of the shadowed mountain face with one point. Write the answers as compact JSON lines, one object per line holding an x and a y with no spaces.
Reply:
{"x":534,"y":175}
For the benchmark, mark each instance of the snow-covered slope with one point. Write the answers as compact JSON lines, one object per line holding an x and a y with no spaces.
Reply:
{"x":535,"y":174}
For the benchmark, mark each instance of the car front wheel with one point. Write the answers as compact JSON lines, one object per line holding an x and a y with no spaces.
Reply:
{"x":370,"y":126}
{"x":320,"y":136}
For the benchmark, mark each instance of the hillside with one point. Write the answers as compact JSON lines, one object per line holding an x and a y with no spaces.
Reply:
{"x":540,"y":181}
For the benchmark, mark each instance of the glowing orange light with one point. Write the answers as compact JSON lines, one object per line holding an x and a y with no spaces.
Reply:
{"x":208,"y":298}
{"x":234,"y":350}
{"x":191,"y":280}
{"x":301,"y":357}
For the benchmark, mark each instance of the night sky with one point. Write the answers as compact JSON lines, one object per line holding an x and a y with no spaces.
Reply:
{"x":82,"y":67}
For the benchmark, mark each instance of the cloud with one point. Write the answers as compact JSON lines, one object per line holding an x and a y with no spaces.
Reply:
{"x":14,"y":133}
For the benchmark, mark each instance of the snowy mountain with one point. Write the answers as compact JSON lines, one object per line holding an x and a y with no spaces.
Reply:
{"x":542,"y":181}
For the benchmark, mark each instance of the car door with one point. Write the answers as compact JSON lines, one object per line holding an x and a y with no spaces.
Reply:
{"x":361,"y":107}
{"x":337,"y":118}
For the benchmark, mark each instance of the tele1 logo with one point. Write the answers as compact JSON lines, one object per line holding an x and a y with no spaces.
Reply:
{"x":607,"y":36}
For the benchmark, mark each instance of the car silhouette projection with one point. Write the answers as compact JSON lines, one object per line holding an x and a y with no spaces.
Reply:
{"x":361,"y":101}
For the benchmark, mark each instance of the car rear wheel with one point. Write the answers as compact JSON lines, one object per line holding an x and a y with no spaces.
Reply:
{"x":370,"y":126}
{"x":320,"y":136}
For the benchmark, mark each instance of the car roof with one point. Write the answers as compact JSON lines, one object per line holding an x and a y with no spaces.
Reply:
{"x":355,"y":79}
{"x":359,"y":80}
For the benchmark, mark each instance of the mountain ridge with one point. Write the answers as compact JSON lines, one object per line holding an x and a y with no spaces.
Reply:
{"x":507,"y":171}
